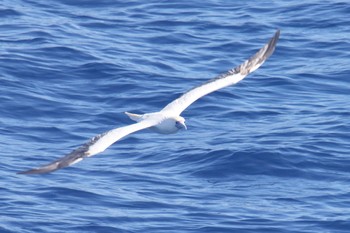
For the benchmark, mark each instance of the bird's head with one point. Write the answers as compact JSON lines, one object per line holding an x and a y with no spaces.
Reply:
{"x":180,"y":123}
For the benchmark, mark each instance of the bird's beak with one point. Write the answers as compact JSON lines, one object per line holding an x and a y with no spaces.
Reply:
{"x":184,"y":125}
{"x":181,"y":125}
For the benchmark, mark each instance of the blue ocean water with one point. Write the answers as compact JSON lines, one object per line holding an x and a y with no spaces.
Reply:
{"x":270,"y":154}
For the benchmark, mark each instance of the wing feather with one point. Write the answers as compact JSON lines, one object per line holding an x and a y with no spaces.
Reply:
{"x":229,"y":78}
{"x":96,"y":145}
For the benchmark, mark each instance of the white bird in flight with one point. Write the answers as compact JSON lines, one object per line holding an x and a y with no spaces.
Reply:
{"x":166,"y":121}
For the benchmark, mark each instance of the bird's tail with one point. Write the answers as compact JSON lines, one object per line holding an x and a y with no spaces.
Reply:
{"x":134,"y":117}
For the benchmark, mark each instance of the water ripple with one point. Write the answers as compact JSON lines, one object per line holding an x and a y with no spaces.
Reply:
{"x":267,"y":155}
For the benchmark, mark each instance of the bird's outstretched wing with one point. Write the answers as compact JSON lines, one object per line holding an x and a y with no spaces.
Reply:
{"x":231,"y":77}
{"x":96,"y":145}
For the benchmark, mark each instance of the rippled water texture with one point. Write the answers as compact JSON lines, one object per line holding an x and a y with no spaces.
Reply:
{"x":270,"y":154}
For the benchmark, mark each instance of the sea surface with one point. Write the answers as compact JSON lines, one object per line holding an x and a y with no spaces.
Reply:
{"x":270,"y":154}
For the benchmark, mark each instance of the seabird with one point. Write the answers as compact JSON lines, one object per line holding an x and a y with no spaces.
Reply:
{"x":167,"y":120}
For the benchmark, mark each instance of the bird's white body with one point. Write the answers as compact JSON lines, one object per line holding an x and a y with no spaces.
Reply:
{"x":168,"y":125}
{"x":166,"y":121}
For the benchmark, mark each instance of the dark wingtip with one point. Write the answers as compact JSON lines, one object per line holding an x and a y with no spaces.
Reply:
{"x":28,"y":172}
{"x":73,"y":157}
{"x":258,"y":58}
{"x":272,"y":43}
{"x":23,"y":172}
{"x":32,"y":171}
{"x":41,"y":170}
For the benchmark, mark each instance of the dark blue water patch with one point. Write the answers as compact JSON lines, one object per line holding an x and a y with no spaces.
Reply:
{"x":60,"y":194}
{"x":38,"y":34}
{"x":239,"y":229}
{"x":93,"y":227}
{"x":105,"y":72}
{"x":101,"y":25}
{"x":28,"y":41}
{"x":62,"y":54}
{"x":9,"y":13}
{"x":175,"y":39}
{"x":103,"y":3}
{"x":336,"y":225}
{"x":24,"y":68}
{"x":232,"y":164}
{"x":5,"y":230}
